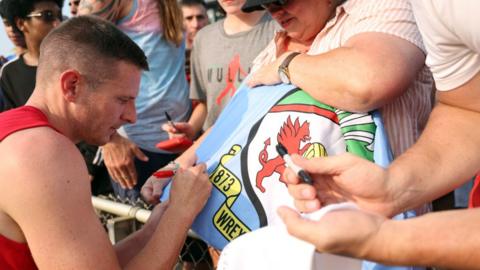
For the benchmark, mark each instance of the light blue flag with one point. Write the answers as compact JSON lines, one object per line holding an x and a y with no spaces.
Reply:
{"x":245,"y":169}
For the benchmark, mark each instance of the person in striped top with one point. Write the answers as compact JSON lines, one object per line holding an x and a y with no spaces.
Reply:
{"x":356,"y":55}
{"x":445,"y":156}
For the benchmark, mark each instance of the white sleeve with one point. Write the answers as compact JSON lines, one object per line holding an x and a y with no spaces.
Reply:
{"x":452,"y":47}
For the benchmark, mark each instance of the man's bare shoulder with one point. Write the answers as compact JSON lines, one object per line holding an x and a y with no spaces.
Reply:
{"x":40,"y":144}
{"x":39,"y":159}
{"x":47,"y":195}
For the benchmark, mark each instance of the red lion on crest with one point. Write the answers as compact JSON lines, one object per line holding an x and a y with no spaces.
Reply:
{"x":290,"y":136}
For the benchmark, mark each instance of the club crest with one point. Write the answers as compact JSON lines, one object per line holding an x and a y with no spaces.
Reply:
{"x":305,"y":127}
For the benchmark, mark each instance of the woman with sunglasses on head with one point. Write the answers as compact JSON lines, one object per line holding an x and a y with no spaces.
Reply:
{"x":34,"y":20}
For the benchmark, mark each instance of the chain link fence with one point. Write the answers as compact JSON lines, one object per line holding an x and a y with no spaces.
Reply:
{"x":121,"y":217}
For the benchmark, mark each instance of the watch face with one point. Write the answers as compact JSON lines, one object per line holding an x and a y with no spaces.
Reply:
{"x":283,"y":76}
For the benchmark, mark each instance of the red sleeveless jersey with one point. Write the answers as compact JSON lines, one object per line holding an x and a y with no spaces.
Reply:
{"x":14,"y":255}
{"x":22,"y":118}
{"x":475,"y":193}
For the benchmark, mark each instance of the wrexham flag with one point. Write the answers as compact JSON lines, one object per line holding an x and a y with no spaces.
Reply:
{"x":244,"y":167}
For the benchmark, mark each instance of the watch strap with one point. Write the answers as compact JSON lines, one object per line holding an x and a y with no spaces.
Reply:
{"x":283,"y":68}
{"x":288,"y":59}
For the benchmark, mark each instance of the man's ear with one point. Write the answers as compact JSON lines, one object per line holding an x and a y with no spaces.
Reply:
{"x":70,"y":81}
{"x":20,"y":24}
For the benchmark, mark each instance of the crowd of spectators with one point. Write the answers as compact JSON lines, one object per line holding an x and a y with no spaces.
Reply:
{"x":172,"y":61}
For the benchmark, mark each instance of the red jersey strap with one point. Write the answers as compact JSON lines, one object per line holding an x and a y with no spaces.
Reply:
{"x":22,"y":118}
{"x":475,"y":193}
{"x":15,"y":256}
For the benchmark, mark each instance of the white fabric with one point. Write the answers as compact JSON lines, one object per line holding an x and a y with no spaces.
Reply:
{"x":272,"y":247}
{"x":450,"y":33}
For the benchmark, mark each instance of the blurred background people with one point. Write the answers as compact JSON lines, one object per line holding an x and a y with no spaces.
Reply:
{"x":17,"y":39}
{"x":194,"y":18}
{"x":221,"y":58}
{"x":13,"y":34}
{"x":73,"y":5}
{"x":157,"y":27}
{"x":34,"y":19}
{"x":219,"y":67}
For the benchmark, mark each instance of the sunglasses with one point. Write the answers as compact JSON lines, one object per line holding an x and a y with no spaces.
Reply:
{"x":46,"y":15}
{"x":276,"y":4}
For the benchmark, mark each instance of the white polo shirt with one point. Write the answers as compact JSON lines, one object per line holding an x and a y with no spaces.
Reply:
{"x":450,"y":31}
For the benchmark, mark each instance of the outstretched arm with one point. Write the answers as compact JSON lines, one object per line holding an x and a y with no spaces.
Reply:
{"x":349,"y":77}
{"x":445,"y":156}
{"x":49,"y":198}
{"x":430,"y":240}
{"x":190,"y":191}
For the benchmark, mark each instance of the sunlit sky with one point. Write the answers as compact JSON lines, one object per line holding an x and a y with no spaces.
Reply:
{"x":6,"y":46}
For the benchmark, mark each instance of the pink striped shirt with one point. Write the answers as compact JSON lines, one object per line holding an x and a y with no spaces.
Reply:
{"x":405,"y":117}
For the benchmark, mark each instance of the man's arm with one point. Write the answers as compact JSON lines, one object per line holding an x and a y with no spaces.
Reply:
{"x":49,"y":199}
{"x":152,"y":190}
{"x":189,"y":193}
{"x":445,"y":156}
{"x":430,"y":240}
{"x":371,"y":70}
{"x":119,"y":156}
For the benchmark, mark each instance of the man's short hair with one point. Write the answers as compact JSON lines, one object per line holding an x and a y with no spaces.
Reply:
{"x":92,"y":46}
{"x":11,"y":9}
{"x":189,"y":3}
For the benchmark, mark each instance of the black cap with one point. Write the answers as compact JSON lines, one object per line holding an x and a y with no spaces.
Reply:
{"x":253,"y":5}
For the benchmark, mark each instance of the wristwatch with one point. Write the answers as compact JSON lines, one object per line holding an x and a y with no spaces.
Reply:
{"x":283,"y":72}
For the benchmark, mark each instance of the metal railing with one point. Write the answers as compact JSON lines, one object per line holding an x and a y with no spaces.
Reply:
{"x":122,"y":217}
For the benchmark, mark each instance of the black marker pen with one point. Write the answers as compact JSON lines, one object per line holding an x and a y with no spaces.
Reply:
{"x":169,"y":119}
{"x":282,"y":151}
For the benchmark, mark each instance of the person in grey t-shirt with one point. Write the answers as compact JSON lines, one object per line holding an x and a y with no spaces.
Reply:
{"x":221,"y":58}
